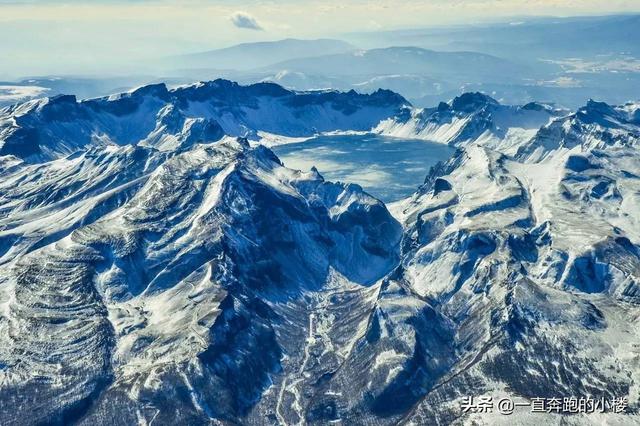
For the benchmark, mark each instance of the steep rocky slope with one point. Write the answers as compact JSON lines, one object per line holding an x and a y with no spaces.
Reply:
{"x":183,"y":289}
{"x":50,"y":128}
{"x":169,"y":279}
{"x":472,"y":117}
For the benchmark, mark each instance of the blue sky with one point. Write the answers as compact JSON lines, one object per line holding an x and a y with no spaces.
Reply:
{"x":41,"y":36}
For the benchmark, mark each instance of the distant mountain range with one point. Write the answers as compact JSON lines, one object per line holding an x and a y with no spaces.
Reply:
{"x":528,"y":38}
{"x":403,"y":60}
{"x":528,"y":59}
{"x":414,"y":72}
{"x":248,"y":56}
{"x":562,"y":61}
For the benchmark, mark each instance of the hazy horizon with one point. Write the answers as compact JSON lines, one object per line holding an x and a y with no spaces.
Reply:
{"x":53,"y":37}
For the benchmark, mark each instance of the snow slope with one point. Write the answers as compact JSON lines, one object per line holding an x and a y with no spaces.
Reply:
{"x":535,"y":268}
{"x":184,"y":264}
{"x":596,"y":125}
{"x":471,"y":117}
{"x":51,"y":128}
{"x":156,"y":277}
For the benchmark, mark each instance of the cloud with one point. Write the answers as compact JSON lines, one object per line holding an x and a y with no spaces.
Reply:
{"x":244,"y":20}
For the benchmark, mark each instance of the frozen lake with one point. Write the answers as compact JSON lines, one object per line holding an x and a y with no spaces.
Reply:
{"x":388,"y":168}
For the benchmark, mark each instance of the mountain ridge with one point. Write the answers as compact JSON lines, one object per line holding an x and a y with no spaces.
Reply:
{"x":258,"y":54}
{"x":198,"y":280}
{"x":64,"y":124}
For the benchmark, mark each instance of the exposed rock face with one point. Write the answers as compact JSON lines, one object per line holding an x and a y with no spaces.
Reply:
{"x":176,"y":275}
{"x":535,"y":272}
{"x":472,"y":118}
{"x":187,"y":280}
{"x":594,"y":126}
{"x":51,"y":128}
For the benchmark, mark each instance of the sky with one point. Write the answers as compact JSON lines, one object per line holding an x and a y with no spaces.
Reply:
{"x":107,"y":36}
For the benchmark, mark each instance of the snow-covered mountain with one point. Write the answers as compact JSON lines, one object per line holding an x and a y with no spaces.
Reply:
{"x":185,"y":275}
{"x":154,"y":115}
{"x":472,"y":117}
{"x":594,"y":126}
{"x":151,"y":276}
{"x":535,"y":271}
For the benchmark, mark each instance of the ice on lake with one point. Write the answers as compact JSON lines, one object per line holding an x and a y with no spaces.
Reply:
{"x":386,"y":167}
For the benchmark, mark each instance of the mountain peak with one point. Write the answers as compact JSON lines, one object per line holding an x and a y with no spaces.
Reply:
{"x":597,"y":107}
{"x":63,"y":99}
{"x":168,"y":119}
{"x":605,"y":115}
{"x":596,"y":125}
{"x":246,"y":56}
{"x":158,"y":90}
{"x":472,"y":101}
